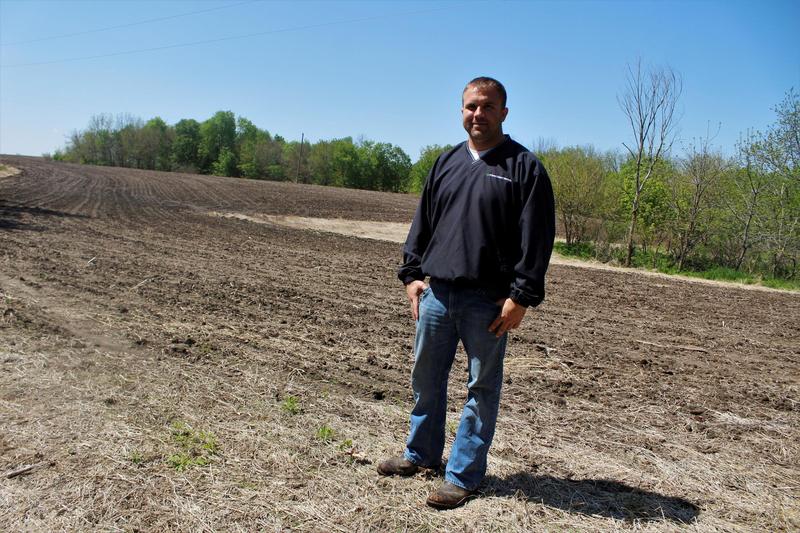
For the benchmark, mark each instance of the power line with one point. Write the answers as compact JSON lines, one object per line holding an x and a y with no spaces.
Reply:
{"x":221,"y":39}
{"x":128,"y":25}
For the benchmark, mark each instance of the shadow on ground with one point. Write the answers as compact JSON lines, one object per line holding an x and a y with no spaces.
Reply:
{"x":14,"y":217}
{"x":594,"y":497}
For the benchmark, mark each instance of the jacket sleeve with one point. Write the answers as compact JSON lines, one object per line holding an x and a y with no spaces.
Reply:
{"x":419,"y":236}
{"x":537,"y":226}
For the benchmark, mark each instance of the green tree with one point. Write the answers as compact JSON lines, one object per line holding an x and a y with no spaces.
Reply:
{"x":256,"y":153}
{"x":578,"y":175}
{"x":296,"y":159}
{"x":346,"y":168}
{"x":216,"y":134}
{"x":384,"y":167}
{"x":225,"y":165}
{"x":155,"y":145}
{"x":420,"y":170}
{"x":776,"y":153}
{"x":654,"y":213}
{"x":693,"y":190}
{"x":747,"y":189}
{"x":320,"y":162}
{"x":185,"y":147}
{"x":273,"y":153}
{"x":127,"y":152}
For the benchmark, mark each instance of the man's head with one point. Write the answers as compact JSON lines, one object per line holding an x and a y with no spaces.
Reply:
{"x":483,"y":110}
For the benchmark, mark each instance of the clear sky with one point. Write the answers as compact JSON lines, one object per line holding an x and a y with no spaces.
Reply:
{"x":388,"y":71}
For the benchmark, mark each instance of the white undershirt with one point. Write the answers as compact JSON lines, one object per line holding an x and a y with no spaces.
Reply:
{"x":476,"y":154}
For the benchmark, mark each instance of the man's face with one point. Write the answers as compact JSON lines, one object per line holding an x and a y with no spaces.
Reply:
{"x":483,"y":114}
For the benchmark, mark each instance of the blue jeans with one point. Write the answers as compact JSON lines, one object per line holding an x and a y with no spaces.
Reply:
{"x":448,"y":314}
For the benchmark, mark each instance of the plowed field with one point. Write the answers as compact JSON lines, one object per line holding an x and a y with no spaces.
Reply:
{"x":171,"y":358}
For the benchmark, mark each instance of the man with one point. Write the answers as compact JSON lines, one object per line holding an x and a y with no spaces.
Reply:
{"x":483,"y":232}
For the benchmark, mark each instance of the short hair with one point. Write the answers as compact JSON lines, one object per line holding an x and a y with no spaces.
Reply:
{"x":485,"y":81}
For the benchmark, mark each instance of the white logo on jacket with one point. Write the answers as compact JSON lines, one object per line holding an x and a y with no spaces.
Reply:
{"x":489,"y":174}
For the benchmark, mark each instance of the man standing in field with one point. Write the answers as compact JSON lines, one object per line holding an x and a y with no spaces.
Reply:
{"x":483,"y":232}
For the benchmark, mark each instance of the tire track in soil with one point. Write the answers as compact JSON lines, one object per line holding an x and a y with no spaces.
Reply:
{"x":68,"y":319}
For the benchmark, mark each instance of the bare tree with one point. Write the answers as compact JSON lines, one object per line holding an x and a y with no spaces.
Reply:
{"x":649,"y":103}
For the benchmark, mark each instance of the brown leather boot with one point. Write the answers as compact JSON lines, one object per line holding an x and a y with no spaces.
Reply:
{"x":397,"y":466}
{"x":449,"y":496}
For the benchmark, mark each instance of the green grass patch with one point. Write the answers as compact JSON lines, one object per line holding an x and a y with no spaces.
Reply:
{"x":182,"y":461}
{"x":729,"y":274}
{"x":651,"y":260}
{"x":136,"y":457}
{"x":197,"y":448}
{"x":291,"y":405}
{"x":786,"y":284}
{"x":722,"y":274}
{"x":325,"y":433}
{"x":581,"y":250}
{"x":664,"y":263}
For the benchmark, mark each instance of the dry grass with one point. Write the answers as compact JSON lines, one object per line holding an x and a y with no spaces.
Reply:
{"x":8,"y":171}
{"x":105,"y":420}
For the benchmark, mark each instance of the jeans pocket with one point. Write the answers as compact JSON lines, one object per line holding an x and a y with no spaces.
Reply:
{"x":492,"y":296}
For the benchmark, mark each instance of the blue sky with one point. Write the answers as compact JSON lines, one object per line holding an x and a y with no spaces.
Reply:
{"x":390,"y":71}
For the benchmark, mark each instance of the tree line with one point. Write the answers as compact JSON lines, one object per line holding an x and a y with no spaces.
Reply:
{"x":226,"y":145}
{"x":698,"y":210}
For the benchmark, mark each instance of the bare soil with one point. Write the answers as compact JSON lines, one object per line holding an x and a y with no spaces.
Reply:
{"x":397,"y":232}
{"x":144,"y":315}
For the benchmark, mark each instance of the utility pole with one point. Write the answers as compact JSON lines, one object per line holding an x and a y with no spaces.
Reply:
{"x":299,"y":158}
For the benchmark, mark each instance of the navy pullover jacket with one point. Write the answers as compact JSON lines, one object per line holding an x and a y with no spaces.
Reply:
{"x":486,"y":223}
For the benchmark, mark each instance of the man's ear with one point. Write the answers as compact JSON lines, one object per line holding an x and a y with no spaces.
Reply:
{"x":505,"y":114}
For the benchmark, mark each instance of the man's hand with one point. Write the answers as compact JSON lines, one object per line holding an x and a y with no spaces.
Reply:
{"x":510,"y":317}
{"x":413,"y":290}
